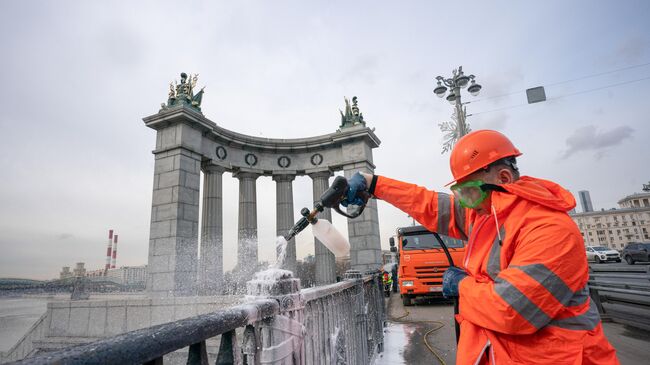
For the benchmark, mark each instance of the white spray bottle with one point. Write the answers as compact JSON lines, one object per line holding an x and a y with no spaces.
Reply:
{"x":322,"y":229}
{"x":325,"y":232}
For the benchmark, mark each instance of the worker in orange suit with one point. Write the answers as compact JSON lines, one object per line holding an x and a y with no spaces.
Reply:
{"x":523,"y":291}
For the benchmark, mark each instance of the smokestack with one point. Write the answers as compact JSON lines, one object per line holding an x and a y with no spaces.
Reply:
{"x":108,"y":252}
{"x":114,"y":252}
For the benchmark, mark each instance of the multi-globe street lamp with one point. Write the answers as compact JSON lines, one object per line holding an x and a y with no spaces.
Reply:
{"x":457,"y":82}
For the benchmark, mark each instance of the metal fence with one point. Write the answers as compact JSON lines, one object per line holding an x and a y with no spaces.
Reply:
{"x":622,"y":293}
{"x":340,"y":323}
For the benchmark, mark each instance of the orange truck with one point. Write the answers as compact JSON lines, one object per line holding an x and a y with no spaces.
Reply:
{"x":422,"y":261}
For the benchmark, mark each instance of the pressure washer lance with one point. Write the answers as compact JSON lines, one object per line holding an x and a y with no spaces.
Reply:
{"x":324,"y":231}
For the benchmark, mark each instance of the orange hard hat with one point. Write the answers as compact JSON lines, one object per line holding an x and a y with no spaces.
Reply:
{"x":477,"y":150}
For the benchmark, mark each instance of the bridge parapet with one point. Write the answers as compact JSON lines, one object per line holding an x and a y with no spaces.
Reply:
{"x":339,"y":323}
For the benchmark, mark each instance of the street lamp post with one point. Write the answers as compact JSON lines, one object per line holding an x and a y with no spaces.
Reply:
{"x":458,"y":81}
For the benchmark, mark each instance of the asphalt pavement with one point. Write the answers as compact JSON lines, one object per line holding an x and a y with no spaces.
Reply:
{"x":411,"y":329}
{"x":430,"y":322}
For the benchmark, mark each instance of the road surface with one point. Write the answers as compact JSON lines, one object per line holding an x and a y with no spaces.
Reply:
{"x":404,"y":335}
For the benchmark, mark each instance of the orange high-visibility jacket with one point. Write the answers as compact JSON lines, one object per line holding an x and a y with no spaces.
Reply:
{"x":526,"y":299}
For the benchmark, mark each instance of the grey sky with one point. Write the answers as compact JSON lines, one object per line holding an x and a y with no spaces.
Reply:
{"x":78,"y":76}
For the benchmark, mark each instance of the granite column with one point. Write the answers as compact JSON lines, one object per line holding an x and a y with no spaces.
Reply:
{"x":284,"y":217}
{"x":247,"y":224}
{"x":211,"y":261}
{"x":325,"y":259}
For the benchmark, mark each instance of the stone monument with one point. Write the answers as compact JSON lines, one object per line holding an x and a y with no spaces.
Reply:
{"x":188,"y":143}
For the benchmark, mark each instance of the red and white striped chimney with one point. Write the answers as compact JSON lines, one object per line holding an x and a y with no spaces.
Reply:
{"x":114,"y":252}
{"x":108,"y":251}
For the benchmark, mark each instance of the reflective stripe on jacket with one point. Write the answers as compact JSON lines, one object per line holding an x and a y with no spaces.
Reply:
{"x":526,"y":299}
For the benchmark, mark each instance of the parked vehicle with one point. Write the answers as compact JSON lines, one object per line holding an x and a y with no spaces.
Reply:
{"x":601,"y":254}
{"x":422,"y":262}
{"x":636,"y":251}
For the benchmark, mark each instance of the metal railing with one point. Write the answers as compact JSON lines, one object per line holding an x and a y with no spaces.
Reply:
{"x":622,"y":294}
{"x":340,"y":323}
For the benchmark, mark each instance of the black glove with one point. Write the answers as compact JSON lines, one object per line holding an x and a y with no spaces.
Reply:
{"x":450,"y":281}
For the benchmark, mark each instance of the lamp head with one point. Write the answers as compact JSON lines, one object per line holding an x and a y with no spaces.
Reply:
{"x":474,"y":88}
{"x":440,"y":90}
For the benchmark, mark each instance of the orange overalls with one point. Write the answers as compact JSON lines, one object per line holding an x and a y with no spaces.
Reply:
{"x":526,"y":299}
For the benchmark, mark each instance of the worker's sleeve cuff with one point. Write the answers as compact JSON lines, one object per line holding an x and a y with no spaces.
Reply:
{"x":467,"y":280}
{"x":373,"y":185}
{"x":381,"y":184}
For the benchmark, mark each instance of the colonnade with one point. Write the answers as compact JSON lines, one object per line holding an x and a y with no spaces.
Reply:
{"x":211,"y":247}
{"x":187,"y":144}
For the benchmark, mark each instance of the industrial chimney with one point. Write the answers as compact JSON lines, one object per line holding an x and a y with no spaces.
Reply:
{"x":114,"y":252}
{"x":108,"y":252}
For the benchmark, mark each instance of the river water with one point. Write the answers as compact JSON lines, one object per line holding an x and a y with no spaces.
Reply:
{"x":17,"y":315}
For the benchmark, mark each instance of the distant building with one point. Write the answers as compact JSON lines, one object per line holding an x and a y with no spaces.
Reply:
{"x":309,"y":259}
{"x":79,"y":270}
{"x":615,"y":228}
{"x":388,"y":257}
{"x":128,"y":275}
{"x":65,"y":273}
{"x":641,"y":200}
{"x":585,"y":201}
{"x":94,"y":273}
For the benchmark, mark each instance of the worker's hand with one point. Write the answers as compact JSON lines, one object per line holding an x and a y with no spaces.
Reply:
{"x":450,"y":281}
{"x":356,"y":184}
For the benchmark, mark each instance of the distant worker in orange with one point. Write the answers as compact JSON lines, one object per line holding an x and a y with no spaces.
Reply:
{"x":523,"y":294}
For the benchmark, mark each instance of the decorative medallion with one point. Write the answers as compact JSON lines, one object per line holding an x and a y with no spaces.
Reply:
{"x":221,"y":153}
{"x":250,"y":159}
{"x":284,"y":161}
{"x":316,"y":159}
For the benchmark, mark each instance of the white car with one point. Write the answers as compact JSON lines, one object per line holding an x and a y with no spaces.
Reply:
{"x":602,"y":254}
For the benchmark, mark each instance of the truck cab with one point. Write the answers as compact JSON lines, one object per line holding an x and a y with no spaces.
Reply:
{"x":422,"y":261}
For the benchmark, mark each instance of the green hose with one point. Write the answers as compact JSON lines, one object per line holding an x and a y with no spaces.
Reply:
{"x":401,"y":319}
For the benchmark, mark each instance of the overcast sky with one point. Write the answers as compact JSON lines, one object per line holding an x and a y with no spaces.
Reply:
{"x":79,"y":76}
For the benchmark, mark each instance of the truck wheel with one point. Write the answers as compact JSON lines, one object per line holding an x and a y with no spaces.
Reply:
{"x":629,"y":260}
{"x":406,"y":300}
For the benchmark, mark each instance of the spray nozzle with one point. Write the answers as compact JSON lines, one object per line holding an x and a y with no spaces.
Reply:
{"x":307,"y":217}
{"x":331,"y":198}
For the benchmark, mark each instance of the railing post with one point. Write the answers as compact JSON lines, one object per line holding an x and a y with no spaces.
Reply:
{"x":250,"y":345}
{"x":228,"y":350}
{"x":280,"y":337}
{"x":360,"y":325}
{"x":197,"y":354}
{"x":378,"y":316}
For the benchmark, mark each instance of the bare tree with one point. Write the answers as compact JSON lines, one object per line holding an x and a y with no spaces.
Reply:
{"x":306,"y":271}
